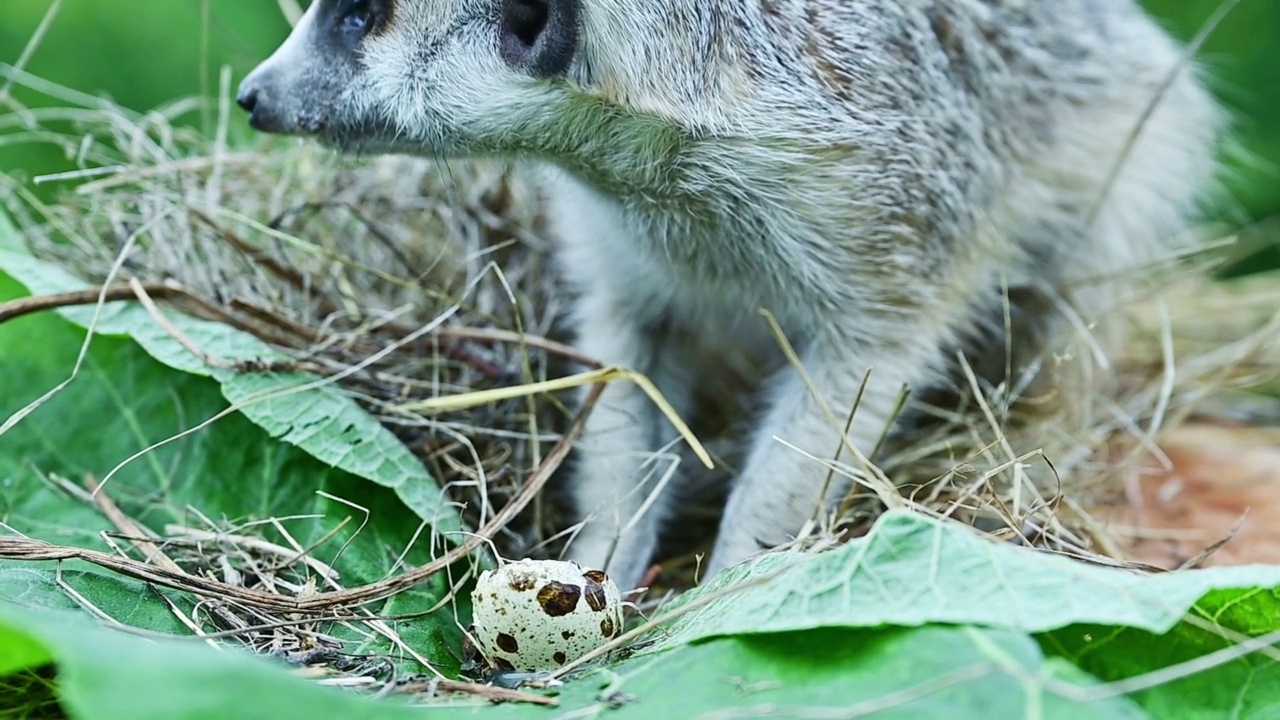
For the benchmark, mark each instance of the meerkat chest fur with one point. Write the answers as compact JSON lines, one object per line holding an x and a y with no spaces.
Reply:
{"x":894,"y":180}
{"x":694,"y":262}
{"x":820,"y":157}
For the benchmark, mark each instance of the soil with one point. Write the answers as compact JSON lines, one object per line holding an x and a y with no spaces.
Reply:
{"x":1214,"y":500}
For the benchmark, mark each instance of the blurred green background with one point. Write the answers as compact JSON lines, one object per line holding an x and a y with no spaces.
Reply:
{"x":143,"y":53}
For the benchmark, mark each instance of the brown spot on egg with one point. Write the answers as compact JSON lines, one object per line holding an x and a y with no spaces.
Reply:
{"x":560,"y":658}
{"x":567,"y":634}
{"x":608,"y":627}
{"x":594,"y":592}
{"x":557,"y":598}
{"x":508,"y":643}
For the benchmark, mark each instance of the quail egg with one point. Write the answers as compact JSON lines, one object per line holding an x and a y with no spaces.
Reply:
{"x":538,"y":615}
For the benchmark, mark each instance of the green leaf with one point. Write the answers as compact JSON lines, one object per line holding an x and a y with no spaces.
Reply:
{"x":920,"y":673}
{"x":104,"y":674}
{"x":911,"y":570}
{"x":322,"y":420}
{"x":930,"y":672}
{"x":129,"y":602}
{"x":20,"y":651}
{"x":1235,"y":684}
{"x":230,"y":471}
{"x":1114,"y":624}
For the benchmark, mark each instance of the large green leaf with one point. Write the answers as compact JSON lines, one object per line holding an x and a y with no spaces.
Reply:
{"x":911,"y":570}
{"x":104,"y":674}
{"x":920,"y":673}
{"x":929,"y":672}
{"x":321,"y":420}
{"x":1234,"y":685}
{"x":1114,"y":624}
{"x":231,"y":471}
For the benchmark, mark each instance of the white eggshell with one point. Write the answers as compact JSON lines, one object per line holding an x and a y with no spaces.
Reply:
{"x":536,"y":615}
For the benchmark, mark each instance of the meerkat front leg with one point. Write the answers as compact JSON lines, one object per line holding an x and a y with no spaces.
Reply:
{"x":781,"y":488}
{"x":622,"y":474}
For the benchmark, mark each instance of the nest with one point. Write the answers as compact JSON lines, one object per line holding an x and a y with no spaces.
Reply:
{"x":332,"y":262}
{"x":335,"y":260}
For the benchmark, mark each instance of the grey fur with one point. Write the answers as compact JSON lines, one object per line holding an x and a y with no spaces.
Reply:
{"x":872,"y":172}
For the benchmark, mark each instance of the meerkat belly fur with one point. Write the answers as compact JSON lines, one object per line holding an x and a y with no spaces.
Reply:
{"x":876,"y":174}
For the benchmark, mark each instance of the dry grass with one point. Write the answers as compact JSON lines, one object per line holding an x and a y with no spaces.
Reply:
{"x":334,"y":260}
{"x":331,"y":262}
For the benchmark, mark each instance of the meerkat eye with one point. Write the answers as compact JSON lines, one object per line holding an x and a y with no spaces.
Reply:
{"x":523,"y":21}
{"x":357,"y":19}
{"x":539,"y":35}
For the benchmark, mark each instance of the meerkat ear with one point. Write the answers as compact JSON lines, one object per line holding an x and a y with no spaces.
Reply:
{"x":539,"y":35}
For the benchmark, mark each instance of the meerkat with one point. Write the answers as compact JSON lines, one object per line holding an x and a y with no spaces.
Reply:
{"x":883,"y":177}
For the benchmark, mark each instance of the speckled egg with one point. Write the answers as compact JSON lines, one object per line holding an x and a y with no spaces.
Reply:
{"x":534,"y":615}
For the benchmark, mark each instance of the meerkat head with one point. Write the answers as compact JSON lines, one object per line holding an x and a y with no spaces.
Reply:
{"x":401,"y":75}
{"x":594,"y":81}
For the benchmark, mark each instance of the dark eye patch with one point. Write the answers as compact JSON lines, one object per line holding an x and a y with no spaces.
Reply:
{"x":357,"y":19}
{"x":353,"y":20}
{"x":525,"y":20}
{"x":539,"y":35}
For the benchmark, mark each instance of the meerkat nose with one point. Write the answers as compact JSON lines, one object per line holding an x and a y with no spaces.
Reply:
{"x":264,"y":116}
{"x":247,"y":98}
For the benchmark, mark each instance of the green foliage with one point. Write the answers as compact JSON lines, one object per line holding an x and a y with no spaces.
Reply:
{"x":105,"y":674}
{"x":846,"y":664}
{"x":124,"y":401}
{"x":142,"y":55}
{"x":919,"y":619}
{"x":930,"y":672}
{"x":291,"y":406}
{"x":880,"y":582}
{"x":1241,"y":57}
{"x":20,"y":652}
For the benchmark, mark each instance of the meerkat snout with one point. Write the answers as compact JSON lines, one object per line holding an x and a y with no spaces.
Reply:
{"x":895,"y":181}
{"x":301,"y":88}
{"x":260,"y":119}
